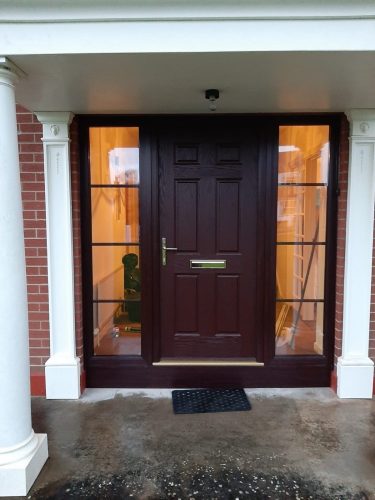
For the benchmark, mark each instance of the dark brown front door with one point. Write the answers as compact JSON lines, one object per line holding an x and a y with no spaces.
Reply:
{"x":217,"y":188}
{"x":208,"y":192}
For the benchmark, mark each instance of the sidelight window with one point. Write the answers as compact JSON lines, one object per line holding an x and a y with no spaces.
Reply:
{"x":116,"y":275}
{"x":301,"y":239}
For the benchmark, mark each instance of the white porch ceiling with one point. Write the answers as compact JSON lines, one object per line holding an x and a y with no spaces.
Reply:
{"x":175,"y":83}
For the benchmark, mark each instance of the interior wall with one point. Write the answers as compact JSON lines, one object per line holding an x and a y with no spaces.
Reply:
{"x":307,"y":162}
{"x":115,"y":213}
{"x":114,"y":159}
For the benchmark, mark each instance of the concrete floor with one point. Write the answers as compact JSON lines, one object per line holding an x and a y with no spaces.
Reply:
{"x":297,"y":444}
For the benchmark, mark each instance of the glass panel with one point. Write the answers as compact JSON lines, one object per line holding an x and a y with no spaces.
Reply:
{"x":117,"y":329}
{"x":303,"y":154}
{"x":300,"y":272}
{"x":299,"y":328}
{"x":114,"y":155}
{"x":301,"y":218}
{"x":115,"y":215}
{"x":116,"y":273}
{"x":301,"y":213}
{"x":114,"y":162}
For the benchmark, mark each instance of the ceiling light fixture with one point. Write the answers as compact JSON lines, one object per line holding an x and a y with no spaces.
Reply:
{"x":212,"y":95}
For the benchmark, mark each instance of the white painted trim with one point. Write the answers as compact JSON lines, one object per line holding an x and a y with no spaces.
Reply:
{"x":63,"y":367}
{"x":6,"y":63}
{"x":150,"y":37}
{"x":22,"y":453}
{"x":17,"y":478}
{"x":144,"y":26}
{"x":134,"y":10}
{"x":355,"y":378}
{"x":63,"y":377}
{"x":355,"y":370}
{"x":19,"y":451}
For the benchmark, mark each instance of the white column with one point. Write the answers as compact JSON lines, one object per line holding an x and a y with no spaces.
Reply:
{"x":355,"y":370}
{"x":22,"y":453}
{"x":63,"y":367}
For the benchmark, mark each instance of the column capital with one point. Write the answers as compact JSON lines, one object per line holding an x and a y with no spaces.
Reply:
{"x":55,"y":124}
{"x":362,"y":123}
{"x":10,"y":73}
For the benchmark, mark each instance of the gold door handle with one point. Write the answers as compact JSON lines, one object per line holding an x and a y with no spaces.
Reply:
{"x":164,"y":250}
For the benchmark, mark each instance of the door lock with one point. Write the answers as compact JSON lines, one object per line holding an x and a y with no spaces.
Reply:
{"x":164,"y":250}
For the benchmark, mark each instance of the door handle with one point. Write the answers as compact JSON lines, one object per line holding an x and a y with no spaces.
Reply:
{"x":164,"y":250}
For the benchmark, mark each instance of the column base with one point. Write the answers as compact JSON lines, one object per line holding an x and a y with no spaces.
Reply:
{"x":63,"y":377}
{"x":355,"y":378}
{"x":17,"y":478}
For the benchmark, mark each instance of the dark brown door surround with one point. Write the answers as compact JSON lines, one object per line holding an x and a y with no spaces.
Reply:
{"x":208,"y":185}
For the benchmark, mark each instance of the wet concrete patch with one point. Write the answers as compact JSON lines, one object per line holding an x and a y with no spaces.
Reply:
{"x":135,"y":447}
{"x":198,"y":483}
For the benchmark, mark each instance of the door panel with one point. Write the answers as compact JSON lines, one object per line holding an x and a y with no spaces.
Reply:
{"x":186,"y":213}
{"x":208,"y":211}
{"x":227,"y":304}
{"x":186,"y":304}
{"x":227,"y":215}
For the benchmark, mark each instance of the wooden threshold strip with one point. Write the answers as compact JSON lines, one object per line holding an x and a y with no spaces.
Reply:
{"x":205,"y":362}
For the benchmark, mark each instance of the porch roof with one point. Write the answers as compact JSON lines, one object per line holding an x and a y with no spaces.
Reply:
{"x":175,"y":83}
{"x":158,"y":56}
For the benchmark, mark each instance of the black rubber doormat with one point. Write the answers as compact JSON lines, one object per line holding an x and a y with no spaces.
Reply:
{"x":210,"y":400}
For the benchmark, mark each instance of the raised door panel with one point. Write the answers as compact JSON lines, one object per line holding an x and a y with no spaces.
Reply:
{"x":186,"y":302}
{"x":186,"y":215}
{"x":227,"y":305}
{"x":227,"y":215}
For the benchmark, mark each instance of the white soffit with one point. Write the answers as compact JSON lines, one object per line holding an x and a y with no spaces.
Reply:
{"x":175,"y":83}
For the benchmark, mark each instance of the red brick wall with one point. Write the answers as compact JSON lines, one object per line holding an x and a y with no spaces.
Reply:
{"x":34,"y":210}
{"x":32,"y":179}
{"x":76,"y":215}
{"x":33,"y":197}
{"x":341,"y":232}
{"x":372,"y":317}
